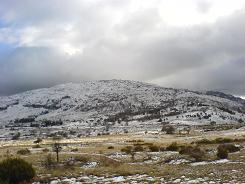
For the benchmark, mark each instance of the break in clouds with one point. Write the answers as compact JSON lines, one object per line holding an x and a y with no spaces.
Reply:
{"x":196,"y":44}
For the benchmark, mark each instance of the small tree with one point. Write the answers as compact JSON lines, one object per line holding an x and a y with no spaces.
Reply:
{"x":168,"y":129}
{"x":240,"y":121}
{"x":16,"y":136}
{"x":160,"y":120}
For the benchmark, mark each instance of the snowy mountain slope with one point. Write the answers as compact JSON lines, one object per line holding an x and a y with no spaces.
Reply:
{"x":111,"y":100}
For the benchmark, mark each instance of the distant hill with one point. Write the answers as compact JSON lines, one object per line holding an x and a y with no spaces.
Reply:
{"x":99,"y":102}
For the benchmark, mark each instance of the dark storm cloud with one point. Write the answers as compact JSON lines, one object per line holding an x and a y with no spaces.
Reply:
{"x":55,"y":41}
{"x":223,"y":59}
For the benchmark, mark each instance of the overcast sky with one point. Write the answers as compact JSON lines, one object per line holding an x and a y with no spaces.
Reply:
{"x":195,"y":44}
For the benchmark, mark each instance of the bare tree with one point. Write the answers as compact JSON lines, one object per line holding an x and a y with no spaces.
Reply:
{"x":57,"y":147}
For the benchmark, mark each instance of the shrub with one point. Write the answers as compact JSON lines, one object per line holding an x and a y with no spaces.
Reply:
{"x":74,"y":150}
{"x":153,"y":148}
{"x":16,"y":171}
{"x":204,"y":141}
{"x":38,"y":140}
{"x":16,"y":136}
{"x":197,"y":154}
{"x":127,"y":149}
{"x":232,"y":148}
{"x":218,"y":140}
{"x":110,"y":147}
{"x":23,"y":151}
{"x":162,"y":149}
{"x":108,"y":162}
{"x":194,"y":152}
{"x":222,"y":153}
{"x":146,"y":144}
{"x":138,"y":148}
{"x":136,"y":141}
{"x":223,"y":140}
{"x":173,"y":147}
{"x":45,"y":150}
{"x":185,"y":150}
{"x":36,"y":146}
{"x":229,"y":147}
{"x":240,"y":121}
{"x":82,"y":159}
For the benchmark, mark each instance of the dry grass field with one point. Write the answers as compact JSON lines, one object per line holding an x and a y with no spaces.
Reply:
{"x":134,"y":158}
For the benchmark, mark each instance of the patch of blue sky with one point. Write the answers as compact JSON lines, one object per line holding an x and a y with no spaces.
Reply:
{"x":3,"y":24}
{"x":5,"y":49}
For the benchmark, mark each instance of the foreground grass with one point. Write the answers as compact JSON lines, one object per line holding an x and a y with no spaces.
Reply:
{"x":96,"y":150}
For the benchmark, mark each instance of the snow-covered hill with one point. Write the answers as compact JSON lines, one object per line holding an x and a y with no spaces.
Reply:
{"x":98,"y":103}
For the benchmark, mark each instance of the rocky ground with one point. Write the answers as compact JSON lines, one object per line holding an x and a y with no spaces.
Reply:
{"x":144,"y":179}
